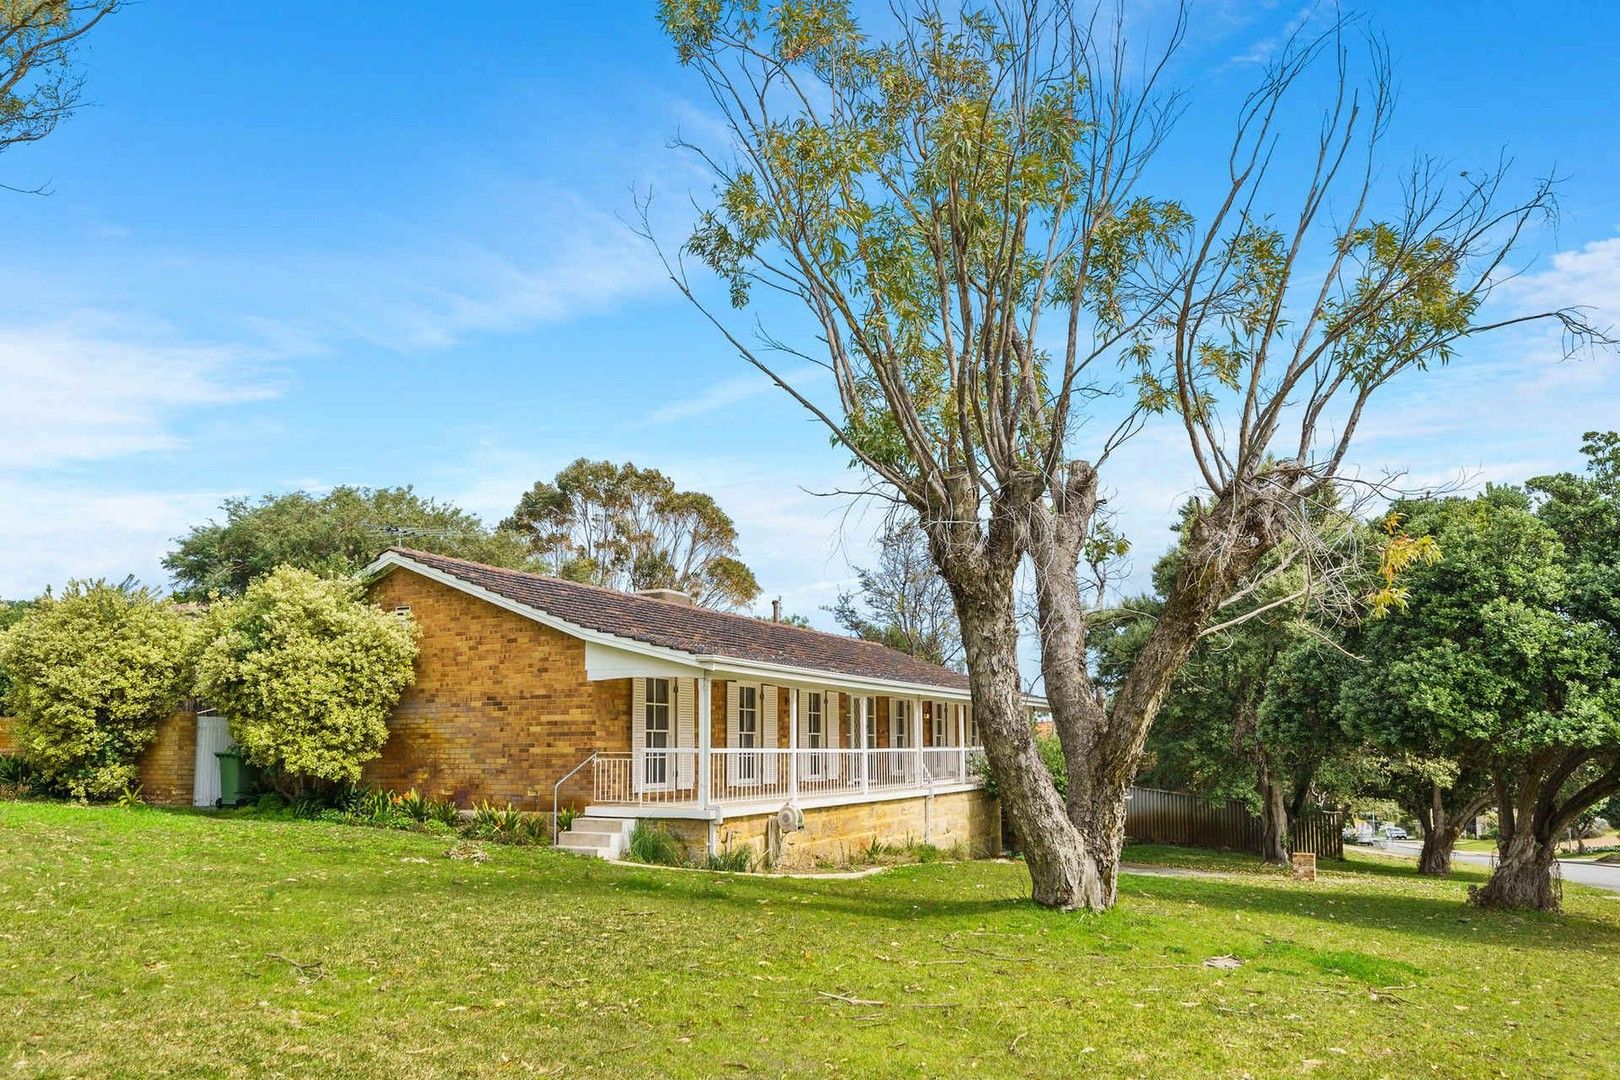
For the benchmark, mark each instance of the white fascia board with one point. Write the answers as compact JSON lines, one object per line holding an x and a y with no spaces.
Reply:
{"x":610,"y":662}
{"x":812,"y":678}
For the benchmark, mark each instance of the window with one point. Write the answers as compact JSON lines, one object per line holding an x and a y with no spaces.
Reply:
{"x":814,"y":727}
{"x":899,"y":722}
{"x":871,"y":722}
{"x":942,"y":729}
{"x":658,"y":718}
{"x":748,"y":732}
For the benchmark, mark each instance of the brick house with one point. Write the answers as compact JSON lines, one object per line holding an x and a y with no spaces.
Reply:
{"x":530,"y":688}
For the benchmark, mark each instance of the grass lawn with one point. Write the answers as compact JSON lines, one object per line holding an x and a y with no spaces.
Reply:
{"x":144,"y":942}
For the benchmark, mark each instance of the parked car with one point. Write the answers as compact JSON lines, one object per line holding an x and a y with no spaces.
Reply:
{"x":1365,"y":835}
{"x":1394,"y":832}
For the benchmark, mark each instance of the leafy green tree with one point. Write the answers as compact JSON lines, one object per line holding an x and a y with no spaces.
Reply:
{"x":92,"y":673}
{"x":903,"y":602}
{"x":956,"y":200}
{"x":12,"y":612}
{"x":1252,"y":715}
{"x":1490,"y":670}
{"x":333,"y":534}
{"x":625,"y":527}
{"x":39,"y":85}
{"x":306,"y":671}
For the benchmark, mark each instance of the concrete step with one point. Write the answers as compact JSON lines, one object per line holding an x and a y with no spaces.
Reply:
{"x":603,"y":837}
{"x":603,"y":847}
{"x":601,"y":826}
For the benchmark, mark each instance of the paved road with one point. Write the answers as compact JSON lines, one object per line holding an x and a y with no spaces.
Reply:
{"x":1603,"y":875}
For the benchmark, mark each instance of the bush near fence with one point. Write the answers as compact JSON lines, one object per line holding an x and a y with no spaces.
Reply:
{"x":1174,"y":817}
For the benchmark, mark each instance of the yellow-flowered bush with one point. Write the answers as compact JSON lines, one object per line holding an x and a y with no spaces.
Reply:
{"x":92,"y":672}
{"x":306,"y":671}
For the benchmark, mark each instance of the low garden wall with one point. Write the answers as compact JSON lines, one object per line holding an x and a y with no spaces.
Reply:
{"x":841,"y":835}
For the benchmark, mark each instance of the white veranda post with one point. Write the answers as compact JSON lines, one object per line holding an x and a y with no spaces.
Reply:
{"x":960,"y":712}
{"x":917,"y":736}
{"x":860,"y":742}
{"x":705,"y":739}
{"x":793,"y":743}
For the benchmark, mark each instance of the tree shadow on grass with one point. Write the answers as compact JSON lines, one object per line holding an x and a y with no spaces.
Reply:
{"x":1348,"y":895}
{"x":1345,"y":901}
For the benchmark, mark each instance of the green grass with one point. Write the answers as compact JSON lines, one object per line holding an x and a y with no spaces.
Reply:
{"x":142,"y":942}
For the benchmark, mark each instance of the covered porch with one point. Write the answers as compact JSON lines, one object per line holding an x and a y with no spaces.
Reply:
{"x":716,"y":742}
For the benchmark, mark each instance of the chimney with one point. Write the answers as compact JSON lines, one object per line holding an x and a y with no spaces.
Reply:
{"x":668,"y":596}
{"x":776,"y":610}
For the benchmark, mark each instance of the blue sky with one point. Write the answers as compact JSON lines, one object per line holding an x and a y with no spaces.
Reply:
{"x":304,"y":244}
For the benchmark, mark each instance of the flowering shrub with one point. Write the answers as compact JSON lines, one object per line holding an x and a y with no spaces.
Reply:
{"x":91,"y":673}
{"x":307,"y":672}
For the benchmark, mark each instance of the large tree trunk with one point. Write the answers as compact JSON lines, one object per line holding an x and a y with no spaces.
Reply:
{"x":1535,"y":808}
{"x":1273,"y":820}
{"x":1103,"y":747}
{"x":1523,"y":878}
{"x":1438,"y":844}
{"x":1062,"y":873}
{"x":1443,"y":824}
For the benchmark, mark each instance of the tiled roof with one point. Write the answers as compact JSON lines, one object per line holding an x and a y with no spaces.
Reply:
{"x":694,"y":630}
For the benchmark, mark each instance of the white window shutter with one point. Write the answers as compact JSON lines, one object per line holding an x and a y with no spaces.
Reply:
{"x":831,"y":723}
{"x":685,"y":731}
{"x":767,"y":727}
{"x":733,"y":739}
{"x":638,"y":732}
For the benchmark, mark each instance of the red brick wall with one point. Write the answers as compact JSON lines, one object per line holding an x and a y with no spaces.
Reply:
{"x":501,"y":708}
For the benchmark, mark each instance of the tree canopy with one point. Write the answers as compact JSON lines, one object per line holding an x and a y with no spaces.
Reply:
{"x":92,"y":672}
{"x":39,"y":83}
{"x":332,"y":534}
{"x":1502,"y":669}
{"x":955,"y":199}
{"x":626,"y":527}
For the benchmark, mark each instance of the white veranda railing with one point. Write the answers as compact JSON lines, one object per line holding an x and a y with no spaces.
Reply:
{"x":745,"y":775}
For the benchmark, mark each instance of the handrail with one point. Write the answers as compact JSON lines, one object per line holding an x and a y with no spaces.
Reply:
{"x":555,"y":832}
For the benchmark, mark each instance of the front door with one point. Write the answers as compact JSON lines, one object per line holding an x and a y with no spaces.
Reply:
{"x":748,"y":765}
{"x":659,"y":733}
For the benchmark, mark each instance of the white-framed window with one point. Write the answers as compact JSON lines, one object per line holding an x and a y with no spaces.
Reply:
{"x":815,"y":726}
{"x":660,"y":715}
{"x":748,"y":733}
{"x":748,"y":717}
{"x":900,"y":722}
{"x":871,"y":722}
{"x":941,"y":723}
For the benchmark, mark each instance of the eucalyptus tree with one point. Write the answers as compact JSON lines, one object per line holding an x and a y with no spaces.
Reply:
{"x":623,"y":526}
{"x":903,"y":602}
{"x":955,"y":201}
{"x":39,"y":84}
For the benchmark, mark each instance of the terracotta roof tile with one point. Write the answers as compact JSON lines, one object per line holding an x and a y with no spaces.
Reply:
{"x":695,"y":630}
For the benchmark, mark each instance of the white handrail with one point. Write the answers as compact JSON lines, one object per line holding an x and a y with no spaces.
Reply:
{"x":555,"y":832}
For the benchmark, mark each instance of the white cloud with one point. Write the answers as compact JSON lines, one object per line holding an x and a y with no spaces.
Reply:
{"x":53,"y":532}
{"x":94,"y":388}
{"x":737,"y":389}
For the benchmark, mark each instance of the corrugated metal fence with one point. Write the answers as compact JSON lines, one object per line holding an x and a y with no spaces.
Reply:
{"x":1173,"y":817}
